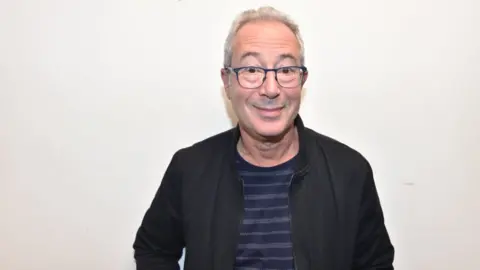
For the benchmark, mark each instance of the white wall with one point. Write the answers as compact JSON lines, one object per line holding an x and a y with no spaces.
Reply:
{"x":95,"y":96}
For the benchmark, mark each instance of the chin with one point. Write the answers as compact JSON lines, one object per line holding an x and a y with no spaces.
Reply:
{"x":267,"y":126}
{"x":270,"y":129}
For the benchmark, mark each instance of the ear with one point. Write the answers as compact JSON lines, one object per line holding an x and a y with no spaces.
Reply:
{"x":305,"y":77}
{"x":226,"y":81}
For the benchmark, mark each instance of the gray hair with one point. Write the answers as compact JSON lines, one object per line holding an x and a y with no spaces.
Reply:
{"x":265,"y":13}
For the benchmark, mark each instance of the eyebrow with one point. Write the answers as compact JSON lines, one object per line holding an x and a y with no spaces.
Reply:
{"x":286,"y":56}
{"x":249,"y":54}
{"x":281,"y":57}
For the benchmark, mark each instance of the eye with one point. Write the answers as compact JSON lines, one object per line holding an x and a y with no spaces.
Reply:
{"x":286,"y":70}
{"x":251,"y":70}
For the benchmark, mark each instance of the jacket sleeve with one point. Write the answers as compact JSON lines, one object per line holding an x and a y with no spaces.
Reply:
{"x":373,"y":248}
{"x":159,"y":240}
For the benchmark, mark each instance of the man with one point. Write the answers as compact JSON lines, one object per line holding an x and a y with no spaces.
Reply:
{"x":269,"y":193}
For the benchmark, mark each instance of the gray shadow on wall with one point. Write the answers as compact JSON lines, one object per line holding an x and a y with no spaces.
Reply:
{"x":231,"y":113}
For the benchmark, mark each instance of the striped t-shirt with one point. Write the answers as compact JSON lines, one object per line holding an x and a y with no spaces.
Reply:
{"x":265,"y":236}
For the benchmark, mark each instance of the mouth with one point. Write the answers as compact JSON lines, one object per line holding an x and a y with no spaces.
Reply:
{"x":269,"y":112}
{"x":269,"y":109}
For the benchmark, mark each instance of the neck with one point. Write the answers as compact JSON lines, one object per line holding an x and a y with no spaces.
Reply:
{"x":267,"y":152}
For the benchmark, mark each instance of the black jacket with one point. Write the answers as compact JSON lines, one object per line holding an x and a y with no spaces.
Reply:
{"x":337,"y":219}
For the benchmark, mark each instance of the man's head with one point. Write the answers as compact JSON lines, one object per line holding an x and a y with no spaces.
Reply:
{"x":265,"y":101}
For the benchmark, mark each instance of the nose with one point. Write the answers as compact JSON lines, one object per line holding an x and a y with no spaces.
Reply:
{"x":270,"y":86}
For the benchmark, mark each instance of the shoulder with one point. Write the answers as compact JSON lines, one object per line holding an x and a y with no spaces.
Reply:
{"x":206,"y":149}
{"x":349,"y":171}
{"x":337,"y":154}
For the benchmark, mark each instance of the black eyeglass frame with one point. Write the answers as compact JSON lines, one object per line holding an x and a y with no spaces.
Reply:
{"x":265,"y":71}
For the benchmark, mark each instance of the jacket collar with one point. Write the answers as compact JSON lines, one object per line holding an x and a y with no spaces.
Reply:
{"x":302,"y":159}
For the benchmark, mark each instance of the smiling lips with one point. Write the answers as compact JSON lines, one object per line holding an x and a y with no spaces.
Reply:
{"x":269,"y":112}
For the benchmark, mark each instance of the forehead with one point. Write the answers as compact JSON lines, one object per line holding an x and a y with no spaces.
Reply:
{"x":265,"y":40}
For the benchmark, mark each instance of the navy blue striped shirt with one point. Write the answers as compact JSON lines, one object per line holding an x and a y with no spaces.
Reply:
{"x":265,"y":236}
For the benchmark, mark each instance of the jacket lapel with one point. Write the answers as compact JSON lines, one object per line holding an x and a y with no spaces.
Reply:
{"x":226,"y":221}
{"x":321,"y":215}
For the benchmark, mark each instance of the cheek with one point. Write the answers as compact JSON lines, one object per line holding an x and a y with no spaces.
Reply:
{"x":239,"y":101}
{"x":294,"y":96}
{"x":242,"y":97}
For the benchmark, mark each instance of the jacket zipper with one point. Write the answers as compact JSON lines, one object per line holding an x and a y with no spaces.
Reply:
{"x":291,"y":225}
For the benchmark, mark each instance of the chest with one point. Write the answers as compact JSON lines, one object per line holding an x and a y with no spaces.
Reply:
{"x":265,"y":232}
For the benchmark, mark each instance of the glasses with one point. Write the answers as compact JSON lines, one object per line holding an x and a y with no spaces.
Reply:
{"x":254,"y":77}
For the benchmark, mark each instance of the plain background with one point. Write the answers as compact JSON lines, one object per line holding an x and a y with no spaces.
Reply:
{"x":96,"y":96}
